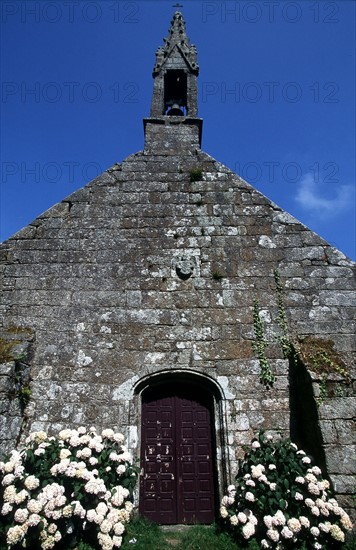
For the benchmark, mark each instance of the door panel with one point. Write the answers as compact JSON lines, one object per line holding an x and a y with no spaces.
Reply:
{"x":177,"y":456}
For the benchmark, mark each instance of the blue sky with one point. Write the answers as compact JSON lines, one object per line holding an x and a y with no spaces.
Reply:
{"x":276,"y":92}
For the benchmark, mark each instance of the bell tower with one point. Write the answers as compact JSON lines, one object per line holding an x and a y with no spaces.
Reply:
{"x":173,"y":123}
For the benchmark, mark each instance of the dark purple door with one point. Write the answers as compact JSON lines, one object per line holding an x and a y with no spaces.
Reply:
{"x":177,"y":485}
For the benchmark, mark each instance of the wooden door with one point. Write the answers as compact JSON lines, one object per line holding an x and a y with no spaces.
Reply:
{"x":177,"y":485}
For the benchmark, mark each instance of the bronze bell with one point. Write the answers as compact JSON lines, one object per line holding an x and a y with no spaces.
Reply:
{"x":175,"y":110}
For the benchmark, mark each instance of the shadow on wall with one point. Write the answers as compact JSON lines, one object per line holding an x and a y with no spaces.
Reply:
{"x":304,"y":422}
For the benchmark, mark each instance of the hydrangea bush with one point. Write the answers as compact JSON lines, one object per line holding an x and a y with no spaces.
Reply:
{"x":58,"y":492}
{"x":281,"y":500}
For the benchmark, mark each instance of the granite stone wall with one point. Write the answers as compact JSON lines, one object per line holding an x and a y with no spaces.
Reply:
{"x":154,"y":268}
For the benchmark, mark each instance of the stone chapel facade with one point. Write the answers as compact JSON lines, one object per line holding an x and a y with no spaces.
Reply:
{"x":149,"y":300}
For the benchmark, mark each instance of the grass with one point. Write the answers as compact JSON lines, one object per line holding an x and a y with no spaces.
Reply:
{"x":142,"y":534}
{"x":148,"y":536}
{"x":200,"y":537}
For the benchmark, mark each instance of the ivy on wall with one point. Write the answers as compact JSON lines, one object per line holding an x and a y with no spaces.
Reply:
{"x":317,"y":354}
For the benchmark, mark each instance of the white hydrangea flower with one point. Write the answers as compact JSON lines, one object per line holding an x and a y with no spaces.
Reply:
{"x":7,"y":480}
{"x":21,"y":496}
{"x":286,"y":533}
{"x":125,"y":457}
{"x":306,"y":460}
{"x":10,"y":494}
{"x":315,"y":511}
{"x":273,"y":535}
{"x":91,"y":515}
{"x":315,"y":531}
{"x":250,"y":496}
{"x":129,"y":506}
{"x":64,"y":453}
{"x":114,"y":456}
{"x":21,"y":515}
{"x":223,"y":512}
{"x":252,"y":519}
{"x":300,"y":479}
{"x":16,"y":534}
{"x":101,"y":508}
{"x":250,"y":483}
{"x":311,"y":477}
{"x":265,"y":544}
{"x":39,"y":451}
{"x":119,"y":438}
{"x":78,"y":509}
{"x":119,"y":528}
{"x":242,"y":517}
{"x":124,"y":515}
{"x":255,"y":445}
{"x":325,"y":527}
{"x":52,"y":528}
{"x":38,"y":437}
{"x":105,"y":526}
{"x":105,"y":541}
{"x":117,"y":541}
{"x":234,"y":520}
{"x":57,"y":536}
{"x":337,"y":533}
{"x":298,"y":496}
{"x":262,"y":478}
{"x":33,"y":520}
{"x":313,"y":489}
{"x":6,"y":509}
{"x":248,"y":530}
{"x":272,"y":467}
{"x":121,"y":469}
{"x":304,"y":521}
{"x":267,"y":520}
{"x":65,"y":434}
{"x":316,"y":470}
{"x":34,"y":506}
{"x":108,"y":434}
{"x":346,"y":522}
{"x":257,"y":471}
{"x":279,"y":518}
{"x":19,"y":470}
{"x":294,"y":525}
{"x":326,"y":484}
{"x":31,"y":483}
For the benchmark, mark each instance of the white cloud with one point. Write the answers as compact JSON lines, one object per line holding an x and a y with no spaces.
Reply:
{"x":310,"y":197}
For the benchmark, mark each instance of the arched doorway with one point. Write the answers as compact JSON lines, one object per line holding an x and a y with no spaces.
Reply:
{"x":178,"y":482}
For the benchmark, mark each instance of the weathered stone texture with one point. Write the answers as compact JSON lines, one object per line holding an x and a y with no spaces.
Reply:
{"x":94,"y":278}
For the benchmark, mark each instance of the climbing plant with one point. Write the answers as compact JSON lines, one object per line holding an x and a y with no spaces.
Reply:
{"x":267,"y":378}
